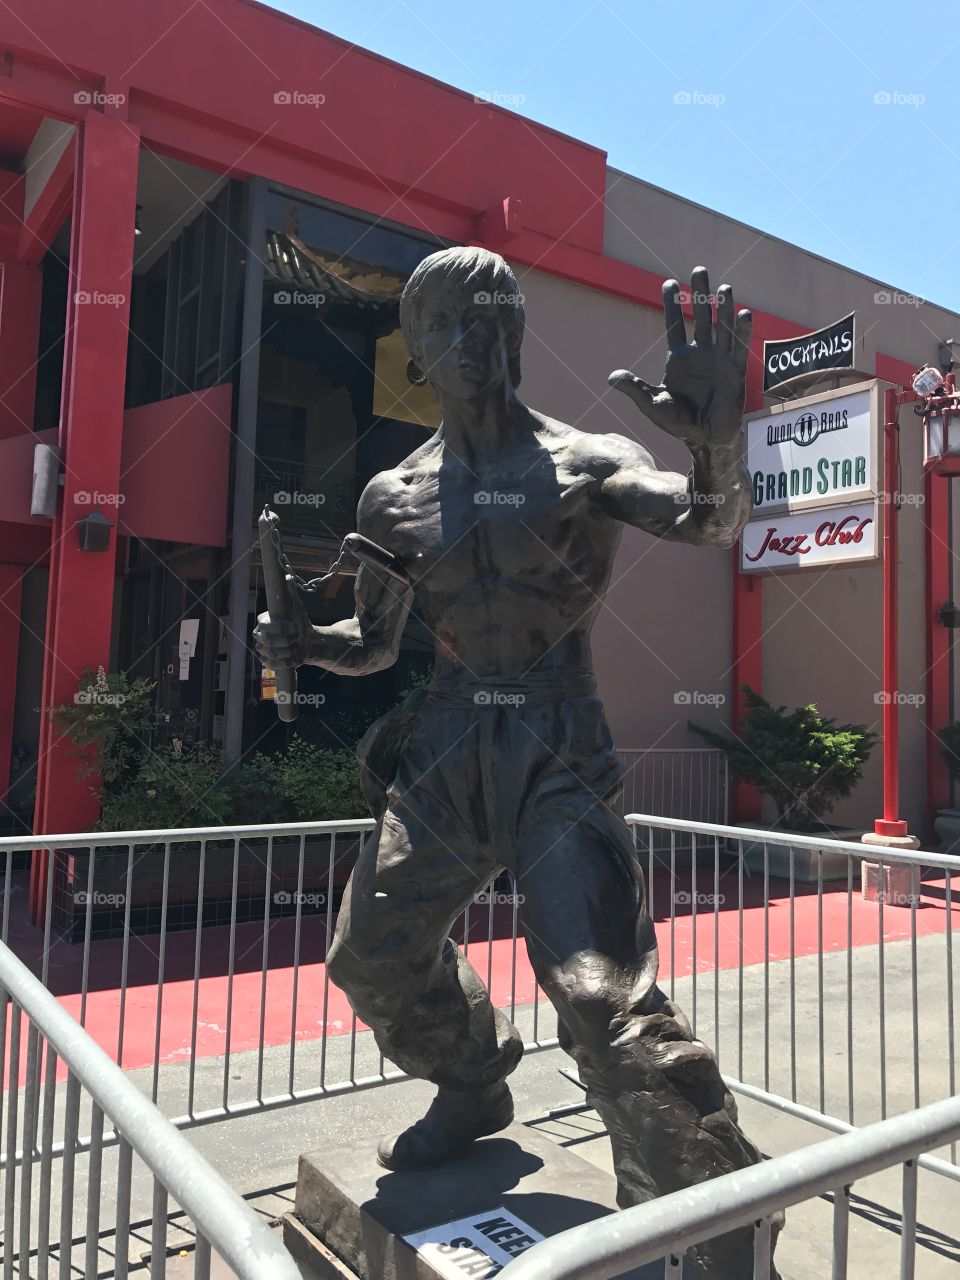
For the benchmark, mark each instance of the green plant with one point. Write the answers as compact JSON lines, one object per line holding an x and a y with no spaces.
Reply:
{"x":107,"y":722}
{"x":804,"y":761}
{"x":949,"y":737}
{"x":171,"y":787}
{"x":305,"y":783}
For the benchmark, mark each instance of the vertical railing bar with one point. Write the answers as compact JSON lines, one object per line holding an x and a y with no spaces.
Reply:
{"x":48,"y":919}
{"x":673,"y":912}
{"x":10,"y":1179}
{"x":761,"y":1249}
{"x":201,"y":1261}
{"x":740,"y":958}
{"x":651,"y":906}
{"x":914,"y":979}
{"x":295,"y":990}
{"x":71,"y":1124}
{"x":793,"y":972}
{"x":7,"y":879}
{"x":121,"y":1257}
{"x":94,"y":1178}
{"x":158,"y":1232}
{"x":161,"y":965}
{"x":230,"y":967}
{"x":850,"y":1049}
{"x":28,"y":1141}
{"x":514,"y":934}
{"x":46,"y":1165}
{"x":841,"y":1233}
{"x":87,"y":936}
{"x":197,"y":946}
{"x":491,"y":894}
{"x":908,"y":1225}
{"x":882,"y":983}
{"x":820,"y":1018}
{"x":951,"y":1055}
{"x":766,"y":966}
{"x":716,"y":943}
{"x":125,"y":958}
{"x":264,"y":958}
{"x":324,"y":1031}
{"x":693,"y":922}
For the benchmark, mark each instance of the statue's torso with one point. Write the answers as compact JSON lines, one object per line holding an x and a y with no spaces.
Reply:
{"x":508,"y":560}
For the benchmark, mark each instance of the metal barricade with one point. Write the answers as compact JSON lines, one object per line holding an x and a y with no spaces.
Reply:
{"x":43,"y":1115}
{"x":665,"y":1228}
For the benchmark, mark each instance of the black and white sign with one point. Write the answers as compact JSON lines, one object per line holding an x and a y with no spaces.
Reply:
{"x":829,"y":348}
{"x":808,"y":539}
{"x":476,"y":1247}
{"x":814,"y":452}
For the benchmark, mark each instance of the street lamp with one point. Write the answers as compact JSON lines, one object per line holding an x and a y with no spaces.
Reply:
{"x":939,"y":406}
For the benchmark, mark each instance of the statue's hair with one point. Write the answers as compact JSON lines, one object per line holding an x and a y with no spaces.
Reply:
{"x":463,"y":270}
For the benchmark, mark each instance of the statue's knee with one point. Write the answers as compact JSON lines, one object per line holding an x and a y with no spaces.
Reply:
{"x":345,"y":966}
{"x":591,"y":1007}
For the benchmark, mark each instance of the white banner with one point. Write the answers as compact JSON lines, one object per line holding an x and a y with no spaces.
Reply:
{"x":805,"y":539}
{"x":819,"y":451}
{"x":474,"y":1247}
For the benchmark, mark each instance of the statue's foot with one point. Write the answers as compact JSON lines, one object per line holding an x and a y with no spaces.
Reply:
{"x":455,"y":1120}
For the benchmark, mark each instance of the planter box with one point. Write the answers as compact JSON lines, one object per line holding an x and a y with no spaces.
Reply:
{"x":184,"y":907}
{"x":806,"y":863}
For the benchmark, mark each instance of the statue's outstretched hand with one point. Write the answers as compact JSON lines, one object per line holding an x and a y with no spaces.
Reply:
{"x":702,"y":394}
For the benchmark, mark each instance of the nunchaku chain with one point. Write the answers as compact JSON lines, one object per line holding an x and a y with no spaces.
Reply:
{"x":312,"y":584}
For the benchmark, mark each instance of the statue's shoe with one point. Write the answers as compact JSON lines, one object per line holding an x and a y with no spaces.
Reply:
{"x":454,"y":1121}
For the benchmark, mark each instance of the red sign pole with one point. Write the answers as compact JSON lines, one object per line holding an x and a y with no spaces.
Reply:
{"x":891,"y":824}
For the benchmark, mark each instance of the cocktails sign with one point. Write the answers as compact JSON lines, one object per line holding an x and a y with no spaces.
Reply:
{"x":789,"y":358}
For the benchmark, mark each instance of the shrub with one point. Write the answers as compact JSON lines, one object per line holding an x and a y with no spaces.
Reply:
{"x":305,"y":783}
{"x":804,"y":761}
{"x":107,"y":723}
{"x":172,"y":787}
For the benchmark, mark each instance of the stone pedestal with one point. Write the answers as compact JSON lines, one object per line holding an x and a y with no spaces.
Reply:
{"x":896,"y":883}
{"x":351,"y":1216}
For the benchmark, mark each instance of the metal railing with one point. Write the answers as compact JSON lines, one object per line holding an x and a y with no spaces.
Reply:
{"x":675,"y":782}
{"x":44,"y":1116}
{"x":820,"y":1015}
{"x":160,"y":912}
{"x":666,"y":1228}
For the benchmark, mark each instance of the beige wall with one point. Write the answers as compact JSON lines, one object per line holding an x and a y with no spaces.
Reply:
{"x":666,"y":622}
{"x":666,"y":625}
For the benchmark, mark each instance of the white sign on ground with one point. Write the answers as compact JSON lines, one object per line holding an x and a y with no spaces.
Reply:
{"x":806,"y":539}
{"x":814,"y":452}
{"x":475,"y":1247}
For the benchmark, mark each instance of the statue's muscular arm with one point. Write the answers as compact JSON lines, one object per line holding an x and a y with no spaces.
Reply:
{"x":707,"y":507}
{"x":357,"y":646}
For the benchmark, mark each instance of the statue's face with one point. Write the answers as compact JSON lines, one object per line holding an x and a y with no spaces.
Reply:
{"x":462,"y":344}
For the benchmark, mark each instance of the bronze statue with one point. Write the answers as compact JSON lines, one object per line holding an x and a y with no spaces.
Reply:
{"x":506,"y":523}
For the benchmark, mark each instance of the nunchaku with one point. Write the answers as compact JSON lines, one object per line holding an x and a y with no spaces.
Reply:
{"x":279,"y":580}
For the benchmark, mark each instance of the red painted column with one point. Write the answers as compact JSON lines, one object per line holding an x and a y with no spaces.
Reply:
{"x":19,"y":344}
{"x":11,"y":584}
{"x":80,"y":601}
{"x":938,"y":591}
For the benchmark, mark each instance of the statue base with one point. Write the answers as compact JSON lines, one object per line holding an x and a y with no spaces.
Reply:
{"x":354,"y":1220}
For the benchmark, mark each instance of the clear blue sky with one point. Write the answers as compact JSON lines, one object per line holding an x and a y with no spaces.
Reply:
{"x":784,"y":131}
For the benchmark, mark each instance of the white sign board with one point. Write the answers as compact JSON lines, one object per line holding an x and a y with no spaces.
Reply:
{"x":814,"y":452}
{"x":475,"y":1247}
{"x":804,"y":539}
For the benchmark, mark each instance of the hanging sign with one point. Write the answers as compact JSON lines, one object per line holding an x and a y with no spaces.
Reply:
{"x":789,"y":358}
{"x":475,"y":1247}
{"x":818,"y":451}
{"x":811,"y":539}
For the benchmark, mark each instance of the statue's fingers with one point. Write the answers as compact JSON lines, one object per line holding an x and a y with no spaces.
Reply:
{"x":725,"y":335}
{"x":673,"y":315}
{"x":640,"y":392}
{"x":702,"y":307}
{"x":743,"y":331}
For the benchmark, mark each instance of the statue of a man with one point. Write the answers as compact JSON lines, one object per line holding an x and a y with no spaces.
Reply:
{"x":507,"y":523}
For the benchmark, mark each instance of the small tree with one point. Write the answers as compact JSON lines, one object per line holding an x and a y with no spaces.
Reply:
{"x":803,"y":760}
{"x":107,"y":722}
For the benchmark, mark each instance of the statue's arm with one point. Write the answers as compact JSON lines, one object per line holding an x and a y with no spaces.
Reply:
{"x":357,"y":646}
{"x":707,"y":507}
